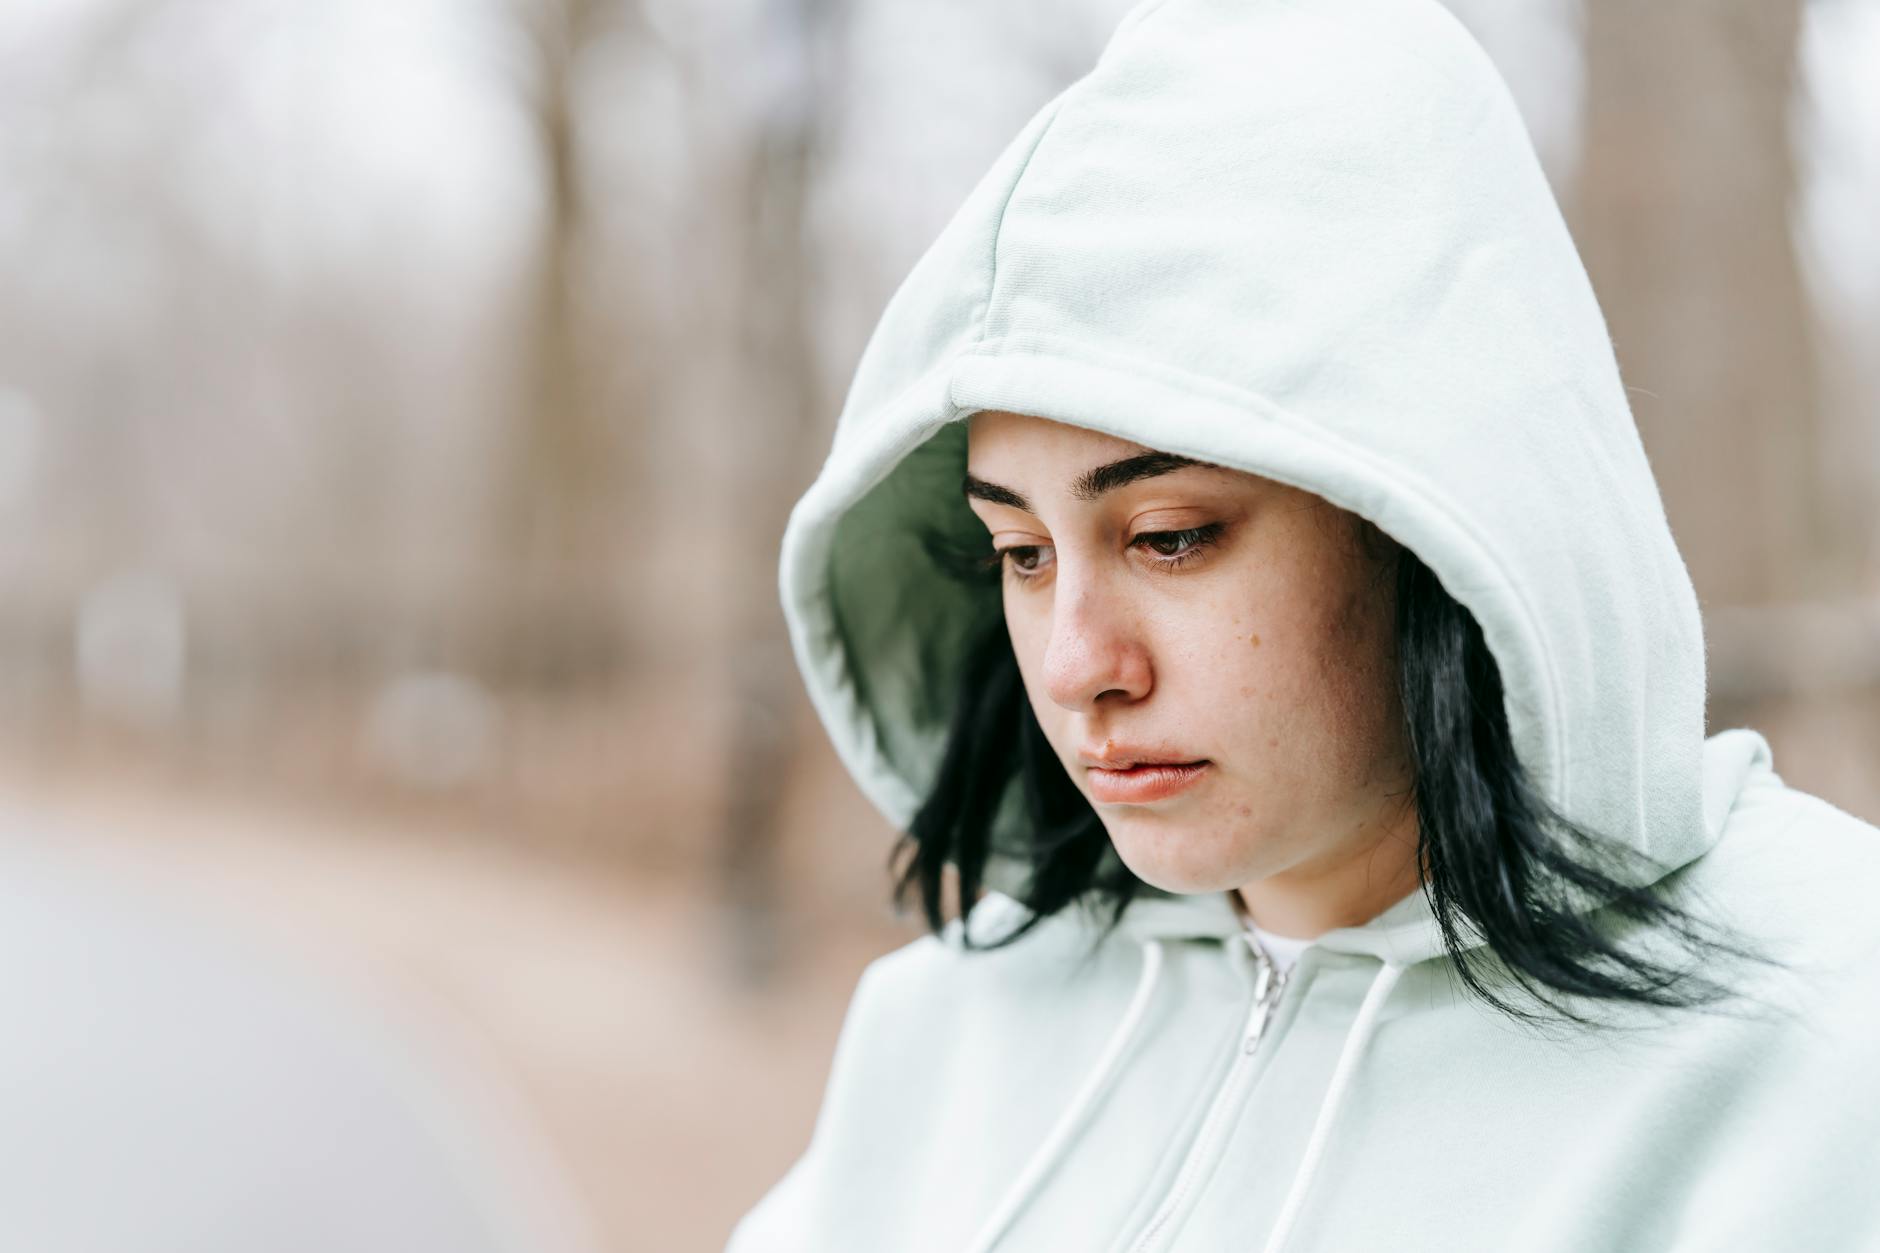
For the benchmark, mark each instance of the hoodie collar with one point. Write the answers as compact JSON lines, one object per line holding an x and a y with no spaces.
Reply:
{"x":1404,"y":934}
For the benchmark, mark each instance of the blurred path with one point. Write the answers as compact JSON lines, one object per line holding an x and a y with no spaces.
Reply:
{"x":170,"y":1088}
{"x":597,"y":1005}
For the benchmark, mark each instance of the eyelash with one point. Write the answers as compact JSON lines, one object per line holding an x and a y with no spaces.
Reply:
{"x":1192,"y":539}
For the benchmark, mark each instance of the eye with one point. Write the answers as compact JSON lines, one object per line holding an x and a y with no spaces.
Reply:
{"x":1022,"y":561}
{"x":1177,"y":548}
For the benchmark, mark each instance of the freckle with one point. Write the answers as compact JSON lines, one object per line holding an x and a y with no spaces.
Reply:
{"x":1272,"y":743}
{"x":1246,"y":811}
{"x":1254,"y":640}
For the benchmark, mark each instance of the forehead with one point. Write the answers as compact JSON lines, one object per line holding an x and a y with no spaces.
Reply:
{"x":995,"y":435}
{"x":1012,"y":454}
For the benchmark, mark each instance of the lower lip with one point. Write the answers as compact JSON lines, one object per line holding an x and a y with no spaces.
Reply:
{"x":1140,"y":784}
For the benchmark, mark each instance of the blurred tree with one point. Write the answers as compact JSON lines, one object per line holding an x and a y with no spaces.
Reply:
{"x":1682,"y":215}
{"x":557,"y":474}
{"x":775,"y":452}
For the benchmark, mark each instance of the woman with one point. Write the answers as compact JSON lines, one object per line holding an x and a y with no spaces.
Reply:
{"x":1323,"y":765}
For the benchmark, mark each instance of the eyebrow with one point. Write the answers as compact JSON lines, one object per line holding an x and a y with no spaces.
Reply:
{"x":1091,"y":483}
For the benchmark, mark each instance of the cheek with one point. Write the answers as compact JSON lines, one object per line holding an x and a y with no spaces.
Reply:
{"x":1256,"y":669}
{"x":1357,"y":679}
{"x":1302,"y":670}
{"x":1028,"y":644}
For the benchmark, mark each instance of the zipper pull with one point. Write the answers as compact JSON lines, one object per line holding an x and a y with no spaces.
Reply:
{"x":1268,"y":983}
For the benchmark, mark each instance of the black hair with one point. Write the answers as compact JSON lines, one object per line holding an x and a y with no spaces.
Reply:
{"x":1496,"y":858}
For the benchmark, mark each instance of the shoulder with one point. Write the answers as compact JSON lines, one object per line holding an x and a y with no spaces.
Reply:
{"x":1800,"y":879}
{"x":950,"y":1061}
{"x":1769,"y":813}
{"x":936,"y":1006}
{"x":1793,"y":856}
{"x":937,"y":978}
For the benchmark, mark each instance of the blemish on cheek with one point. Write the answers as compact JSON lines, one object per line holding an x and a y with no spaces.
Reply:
{"x":1246,"y":691}
{"x":1272,"y":743}
{"x":1246,"y":811}
{"x":1254,"y":639}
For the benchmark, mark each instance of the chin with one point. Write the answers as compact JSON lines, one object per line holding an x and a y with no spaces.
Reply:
{"x":1175,"y":861}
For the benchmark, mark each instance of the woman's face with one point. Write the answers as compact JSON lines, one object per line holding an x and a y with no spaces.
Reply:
{"x":1228,"y":626}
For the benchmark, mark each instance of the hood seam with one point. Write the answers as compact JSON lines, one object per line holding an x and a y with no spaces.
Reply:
{"x":983,"y":313}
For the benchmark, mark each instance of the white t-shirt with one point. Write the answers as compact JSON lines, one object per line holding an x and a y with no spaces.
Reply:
{"x":1283,"y":949}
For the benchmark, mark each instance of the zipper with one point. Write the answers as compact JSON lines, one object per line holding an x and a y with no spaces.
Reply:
{"x":1268,"y":985}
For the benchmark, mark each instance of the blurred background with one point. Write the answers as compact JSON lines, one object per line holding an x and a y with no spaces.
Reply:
{"x":400,"y":404}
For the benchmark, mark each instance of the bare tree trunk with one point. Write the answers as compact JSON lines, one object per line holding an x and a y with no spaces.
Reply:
{"x":556,"y":478}
{"x":776,"y":451}
{"x":1682,"y":215}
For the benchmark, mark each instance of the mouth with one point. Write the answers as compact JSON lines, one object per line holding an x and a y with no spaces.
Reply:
{"x":1138,"y":783}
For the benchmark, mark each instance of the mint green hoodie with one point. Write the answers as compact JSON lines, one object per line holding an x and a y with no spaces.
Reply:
{"x":1309,"y":239}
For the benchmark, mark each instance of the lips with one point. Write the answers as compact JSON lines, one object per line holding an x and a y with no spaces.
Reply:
{"x":1114,"y":756}
{"x":1125,"y":781}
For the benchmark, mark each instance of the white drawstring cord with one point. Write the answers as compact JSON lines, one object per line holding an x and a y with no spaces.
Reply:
{"x":1328,"y":1109}
{"x":1042,"y":1160}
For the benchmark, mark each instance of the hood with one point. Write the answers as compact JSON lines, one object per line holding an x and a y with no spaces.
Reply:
{"x":1310,"y":241}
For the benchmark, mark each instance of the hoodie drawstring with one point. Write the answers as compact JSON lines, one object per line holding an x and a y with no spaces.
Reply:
{"x":1355,"y":1041}
{"x":1100,"y":1074}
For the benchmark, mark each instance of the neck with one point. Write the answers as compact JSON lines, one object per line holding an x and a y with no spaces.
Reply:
{"x":1306,"y":901}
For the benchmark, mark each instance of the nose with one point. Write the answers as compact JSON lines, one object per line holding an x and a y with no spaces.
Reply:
{"x":1095,"y":649}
